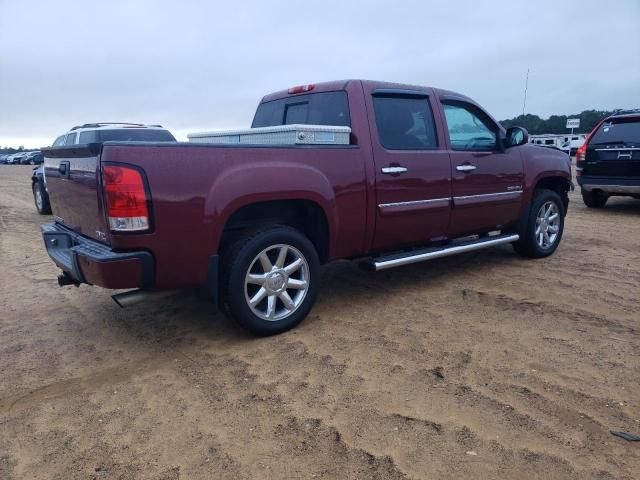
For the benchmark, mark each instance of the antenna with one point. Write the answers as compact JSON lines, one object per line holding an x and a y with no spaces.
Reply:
{"x":526,"y":87}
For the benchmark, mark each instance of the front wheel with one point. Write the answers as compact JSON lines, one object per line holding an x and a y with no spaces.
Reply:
{"x":270,"y":279}
{"x":542,"y":230}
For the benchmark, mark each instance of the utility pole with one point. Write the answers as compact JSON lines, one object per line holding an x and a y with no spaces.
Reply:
{"x":526,"y":87}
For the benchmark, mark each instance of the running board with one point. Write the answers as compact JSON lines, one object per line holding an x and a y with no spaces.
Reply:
{"x":424,"y":254}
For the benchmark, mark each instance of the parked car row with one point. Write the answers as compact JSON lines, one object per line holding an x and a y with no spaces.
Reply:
{"x":34,"y":157}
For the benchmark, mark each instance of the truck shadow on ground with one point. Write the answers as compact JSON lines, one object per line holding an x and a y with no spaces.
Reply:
{"x":188,"y":316}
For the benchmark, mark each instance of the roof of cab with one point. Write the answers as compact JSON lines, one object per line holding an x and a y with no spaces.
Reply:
{"x":369,"y":86}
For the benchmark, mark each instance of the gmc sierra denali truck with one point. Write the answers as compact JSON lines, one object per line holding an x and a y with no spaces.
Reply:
{"x":427,"y":173}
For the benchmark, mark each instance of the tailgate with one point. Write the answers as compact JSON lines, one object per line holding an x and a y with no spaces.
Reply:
{"x":614,"y":149}
{"x":612,"y":161}
{"x":73,"y":183}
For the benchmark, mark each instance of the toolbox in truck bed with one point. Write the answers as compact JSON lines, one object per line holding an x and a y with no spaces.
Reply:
{"x":277,"y":135}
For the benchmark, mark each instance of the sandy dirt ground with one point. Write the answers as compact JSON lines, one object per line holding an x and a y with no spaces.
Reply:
{"x":484,"y":365}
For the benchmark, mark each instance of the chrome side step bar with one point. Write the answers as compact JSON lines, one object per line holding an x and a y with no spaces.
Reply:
{"x":414,"y":256}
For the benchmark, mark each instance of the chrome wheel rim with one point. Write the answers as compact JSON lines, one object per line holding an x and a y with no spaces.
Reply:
{"x":276,"y":282}
{"x":547,"y":225}
{"x":38,"y":199}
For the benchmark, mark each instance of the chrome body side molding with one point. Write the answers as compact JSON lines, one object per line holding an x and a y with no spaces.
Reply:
{"x":498,"y":197}
{"x":413,"y":206}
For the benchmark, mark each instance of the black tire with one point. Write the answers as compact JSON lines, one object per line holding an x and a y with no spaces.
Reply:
{"x":43,"y":206}
{"x":528,"y":245}
{"x":594,"y":199}
{"x":239,"y":258}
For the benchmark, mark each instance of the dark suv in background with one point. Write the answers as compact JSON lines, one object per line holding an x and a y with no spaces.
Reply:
{"x":94,"y":133}
{"x":608,"y":164}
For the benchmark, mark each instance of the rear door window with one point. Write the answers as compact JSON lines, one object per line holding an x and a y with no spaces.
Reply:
{"x":618,"y":131}
{"x":326,"y":108}
{"x":71,"y":139}
{"x":404,"y":122}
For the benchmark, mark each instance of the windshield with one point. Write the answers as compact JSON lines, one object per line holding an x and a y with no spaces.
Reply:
{"x":621,"y":130}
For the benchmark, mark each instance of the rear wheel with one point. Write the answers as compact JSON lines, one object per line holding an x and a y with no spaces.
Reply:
{"x":542,"y":230}
{"x":594,"y":199}
{"x":41,"y":199}
{"x":270,"y":279}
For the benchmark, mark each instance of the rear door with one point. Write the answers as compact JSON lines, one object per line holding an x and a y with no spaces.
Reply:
{"x":487,"y":180}
{"x":613,"y":152}
{"x":412,"y":171}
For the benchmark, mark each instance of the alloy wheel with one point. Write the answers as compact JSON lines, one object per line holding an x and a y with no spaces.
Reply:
{"x":276,"y":282}
{"x":547,"y":224}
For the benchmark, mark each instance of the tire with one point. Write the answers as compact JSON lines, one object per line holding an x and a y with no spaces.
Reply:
{"x":594,"y":199}
{"x":270,"y":279}
{"x":41,"y":199}
{"x":534,"y":243}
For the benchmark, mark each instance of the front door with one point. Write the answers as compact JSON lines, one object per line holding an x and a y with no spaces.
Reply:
{"x":413,"y":171}
{"x":487,"y":179}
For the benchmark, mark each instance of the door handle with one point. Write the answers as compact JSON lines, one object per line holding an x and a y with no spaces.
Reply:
{"x":394,"y":170}
{"x":466,"y":168}
{"x":63,"y":168}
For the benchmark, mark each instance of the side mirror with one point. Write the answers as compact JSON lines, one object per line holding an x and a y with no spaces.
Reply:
{"x":517,"y":136}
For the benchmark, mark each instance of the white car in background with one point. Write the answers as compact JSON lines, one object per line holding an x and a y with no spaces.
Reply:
{"x":572,"y":143}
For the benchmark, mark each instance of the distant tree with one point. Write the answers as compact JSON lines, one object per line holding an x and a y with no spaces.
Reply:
{"x":557,"y":123}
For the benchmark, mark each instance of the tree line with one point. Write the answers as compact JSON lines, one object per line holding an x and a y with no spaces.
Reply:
{"x":557,"y":123}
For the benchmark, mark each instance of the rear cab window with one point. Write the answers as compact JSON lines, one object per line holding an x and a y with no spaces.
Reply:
{"x":618,"y":131}
{"x":135,"y":135}
{"x":404,"y":122}
{"x":322,"y":108}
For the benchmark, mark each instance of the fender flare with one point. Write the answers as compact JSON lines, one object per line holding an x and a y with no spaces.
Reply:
{"x":256,"y":182}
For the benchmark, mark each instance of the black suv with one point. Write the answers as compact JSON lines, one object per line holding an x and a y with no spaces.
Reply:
{"x":608,"y":163}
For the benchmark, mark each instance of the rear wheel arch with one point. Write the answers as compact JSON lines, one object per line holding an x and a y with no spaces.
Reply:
{"x":306,"y":216}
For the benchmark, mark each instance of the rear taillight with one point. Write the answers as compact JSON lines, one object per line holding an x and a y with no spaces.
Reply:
{"x":126,"y":198}
{"x":580,"y":156}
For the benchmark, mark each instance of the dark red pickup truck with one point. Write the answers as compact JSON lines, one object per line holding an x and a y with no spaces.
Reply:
{"x":427,"y":173}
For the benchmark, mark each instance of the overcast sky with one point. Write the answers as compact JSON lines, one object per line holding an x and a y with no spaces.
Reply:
{"x":202,"y":65}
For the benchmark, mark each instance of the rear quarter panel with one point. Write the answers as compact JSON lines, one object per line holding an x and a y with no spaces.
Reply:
{"x":196,"y":188}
